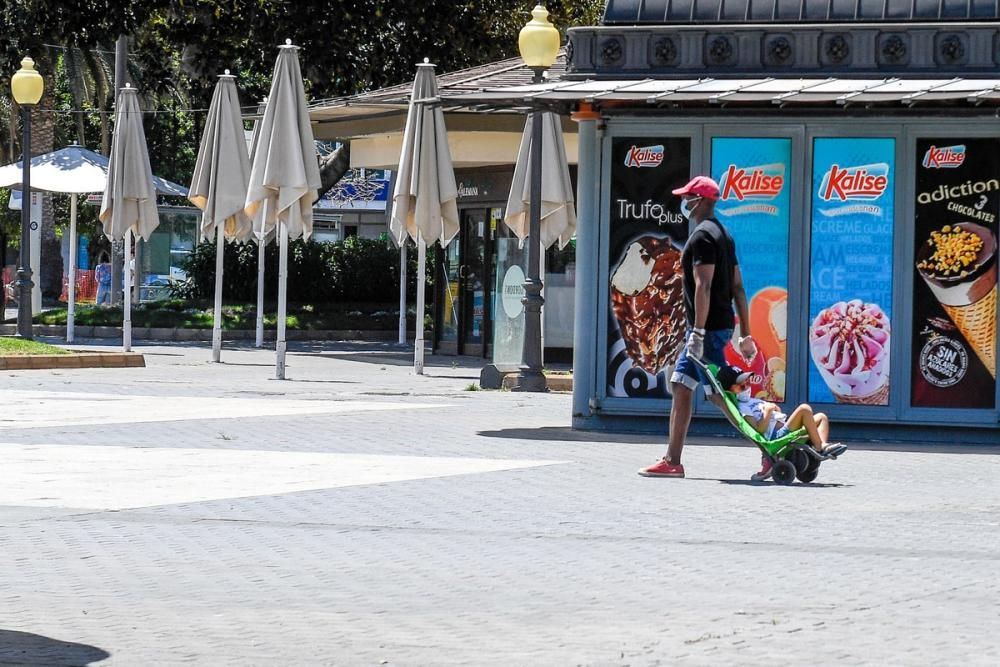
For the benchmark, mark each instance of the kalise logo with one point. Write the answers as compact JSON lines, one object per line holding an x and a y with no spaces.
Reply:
{"x":865,"y":182}
{"x":761,"y":182}
{"x":644,"y":156}
{"x":948,"y":157}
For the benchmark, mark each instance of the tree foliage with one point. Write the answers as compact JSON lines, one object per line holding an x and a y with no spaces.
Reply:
{"x":177,"y":48}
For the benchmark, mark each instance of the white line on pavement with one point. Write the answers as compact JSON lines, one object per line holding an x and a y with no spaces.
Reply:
{"x":40,"y":409}
{"x":104,"y":477}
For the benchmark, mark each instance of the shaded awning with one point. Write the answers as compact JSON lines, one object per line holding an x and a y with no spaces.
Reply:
{"x":837,"y":92}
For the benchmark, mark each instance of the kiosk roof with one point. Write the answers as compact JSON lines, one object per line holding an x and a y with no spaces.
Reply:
{"x":660,"y":12}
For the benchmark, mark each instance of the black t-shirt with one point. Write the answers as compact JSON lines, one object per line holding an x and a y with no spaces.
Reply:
{"x":710,"y":243}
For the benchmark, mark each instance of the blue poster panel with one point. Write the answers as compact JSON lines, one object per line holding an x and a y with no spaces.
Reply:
{"x":753,"y":175}
{"x":850,"y":288}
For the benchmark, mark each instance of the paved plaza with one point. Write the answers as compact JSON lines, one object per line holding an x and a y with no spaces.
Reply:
{"x":356,"y":514}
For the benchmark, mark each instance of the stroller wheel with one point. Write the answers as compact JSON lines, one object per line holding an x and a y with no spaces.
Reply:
{"x":811,"y":470}
{"x":800,"y":459}
{"x":783,"y":472}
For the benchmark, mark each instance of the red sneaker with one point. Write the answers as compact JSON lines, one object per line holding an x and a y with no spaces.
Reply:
{"x":765,"y":471}
{"x":663,"y":468}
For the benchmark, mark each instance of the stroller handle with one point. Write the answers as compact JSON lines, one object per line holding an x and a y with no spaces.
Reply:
{"x":709,"y":375}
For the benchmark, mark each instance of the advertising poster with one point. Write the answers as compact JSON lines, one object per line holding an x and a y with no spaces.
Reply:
{"x":647,"y":233}
{"x":508,"y":317}
{"x":955,"y":287}
{"x":753,"y":175}
{"x":850,"y":287}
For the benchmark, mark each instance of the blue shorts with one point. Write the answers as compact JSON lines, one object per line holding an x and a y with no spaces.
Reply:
{"x":780,"y":432}
{"x":687,"y":374}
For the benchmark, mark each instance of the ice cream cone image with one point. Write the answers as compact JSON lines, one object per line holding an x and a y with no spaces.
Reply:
{"x":879,"y":397}
{"x":849,"y":343}
{"x":958,"y":263}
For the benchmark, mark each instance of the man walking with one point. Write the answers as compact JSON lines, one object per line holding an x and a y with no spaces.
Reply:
{"x":712,"y":284}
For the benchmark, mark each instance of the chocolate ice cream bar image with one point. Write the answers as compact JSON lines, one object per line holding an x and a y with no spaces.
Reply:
{"x":647,"y":299}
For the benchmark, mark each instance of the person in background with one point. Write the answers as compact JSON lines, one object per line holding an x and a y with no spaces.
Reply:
{"x":102,"y":274}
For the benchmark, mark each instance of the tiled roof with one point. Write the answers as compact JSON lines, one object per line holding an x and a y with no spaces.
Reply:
{"x":510,"y":72}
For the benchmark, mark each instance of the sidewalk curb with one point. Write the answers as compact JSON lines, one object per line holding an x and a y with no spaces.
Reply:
{"x":491,"y":377}
{"x":72,"y":360}
{"x":559,"y":382}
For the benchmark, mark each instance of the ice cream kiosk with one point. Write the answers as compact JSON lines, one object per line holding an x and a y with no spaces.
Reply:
{"x":857,"y":147}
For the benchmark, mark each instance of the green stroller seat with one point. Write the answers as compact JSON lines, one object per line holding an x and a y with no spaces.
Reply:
{"x":791,"y":455}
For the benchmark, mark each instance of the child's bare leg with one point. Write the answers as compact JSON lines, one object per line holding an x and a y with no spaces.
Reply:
{"x":803,"y":416}
{"x":823,"y":426}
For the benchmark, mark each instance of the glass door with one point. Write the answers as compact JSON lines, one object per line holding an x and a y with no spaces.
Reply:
{"x":473,"y":275}
{"x":448,"y":297}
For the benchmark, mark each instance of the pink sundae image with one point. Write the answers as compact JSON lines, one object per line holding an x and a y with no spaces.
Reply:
{"x":849,"y":342}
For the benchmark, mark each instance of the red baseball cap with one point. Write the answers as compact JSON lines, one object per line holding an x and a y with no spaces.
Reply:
{"x":699,"y":186}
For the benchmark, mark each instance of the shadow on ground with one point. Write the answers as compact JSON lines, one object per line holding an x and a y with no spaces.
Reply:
{"x":25,"y":648}
{"x":796,"y":485}
{"x":567,"y":434}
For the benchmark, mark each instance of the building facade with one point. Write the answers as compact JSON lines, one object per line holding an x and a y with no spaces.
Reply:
{"x":858,"y":151}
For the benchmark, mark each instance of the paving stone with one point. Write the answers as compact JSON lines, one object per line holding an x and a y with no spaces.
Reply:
{"x":890,"y":558}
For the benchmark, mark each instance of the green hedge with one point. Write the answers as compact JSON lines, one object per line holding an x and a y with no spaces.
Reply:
{"x":355,"y":270}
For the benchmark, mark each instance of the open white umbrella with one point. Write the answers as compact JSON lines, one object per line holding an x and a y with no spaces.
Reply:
{"x":219,"y":184}
{"x":129,"y":205}
{"x":558,"y":220}
{"x":284,"y":175}
{"x":424,"y":205}
{"x":72,"y":170}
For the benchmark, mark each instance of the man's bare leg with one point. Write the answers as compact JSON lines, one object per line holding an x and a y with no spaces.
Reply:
{"x":680,"y":420}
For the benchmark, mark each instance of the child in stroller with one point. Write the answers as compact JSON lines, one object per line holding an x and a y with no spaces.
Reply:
{"x":792,"y":447}
{"x":767,"y":419}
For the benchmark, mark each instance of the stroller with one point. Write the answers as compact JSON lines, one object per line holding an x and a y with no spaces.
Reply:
{"x":791,"y":455}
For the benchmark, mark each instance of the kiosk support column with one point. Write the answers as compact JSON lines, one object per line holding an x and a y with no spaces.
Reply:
{"x":585,"y":323}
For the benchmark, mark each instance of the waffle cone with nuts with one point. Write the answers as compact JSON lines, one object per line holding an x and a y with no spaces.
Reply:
{"x":958,"y":264}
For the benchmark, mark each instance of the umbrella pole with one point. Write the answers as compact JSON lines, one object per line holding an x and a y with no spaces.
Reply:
{"x":418,"y":343}
{"x":220,"y":244}
{"x":282,"y":301}
{"x":402,"y":293}
{"x":127,"y":306}
{"x":71,"y":306}
{"x":260,"y":293}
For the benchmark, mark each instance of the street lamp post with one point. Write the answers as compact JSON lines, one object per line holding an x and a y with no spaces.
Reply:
{"x":538,"y":43}
{"x":27,"y":87}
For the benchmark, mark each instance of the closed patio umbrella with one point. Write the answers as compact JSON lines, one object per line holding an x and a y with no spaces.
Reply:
{"x":558,"y":220}
{"x":129,"y":205}
{"x":284,"y":175}
{"x":73,"y":170}
{"x":424,"y":205}
{"x":219,"y":184}
{"x":261,"y":243}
